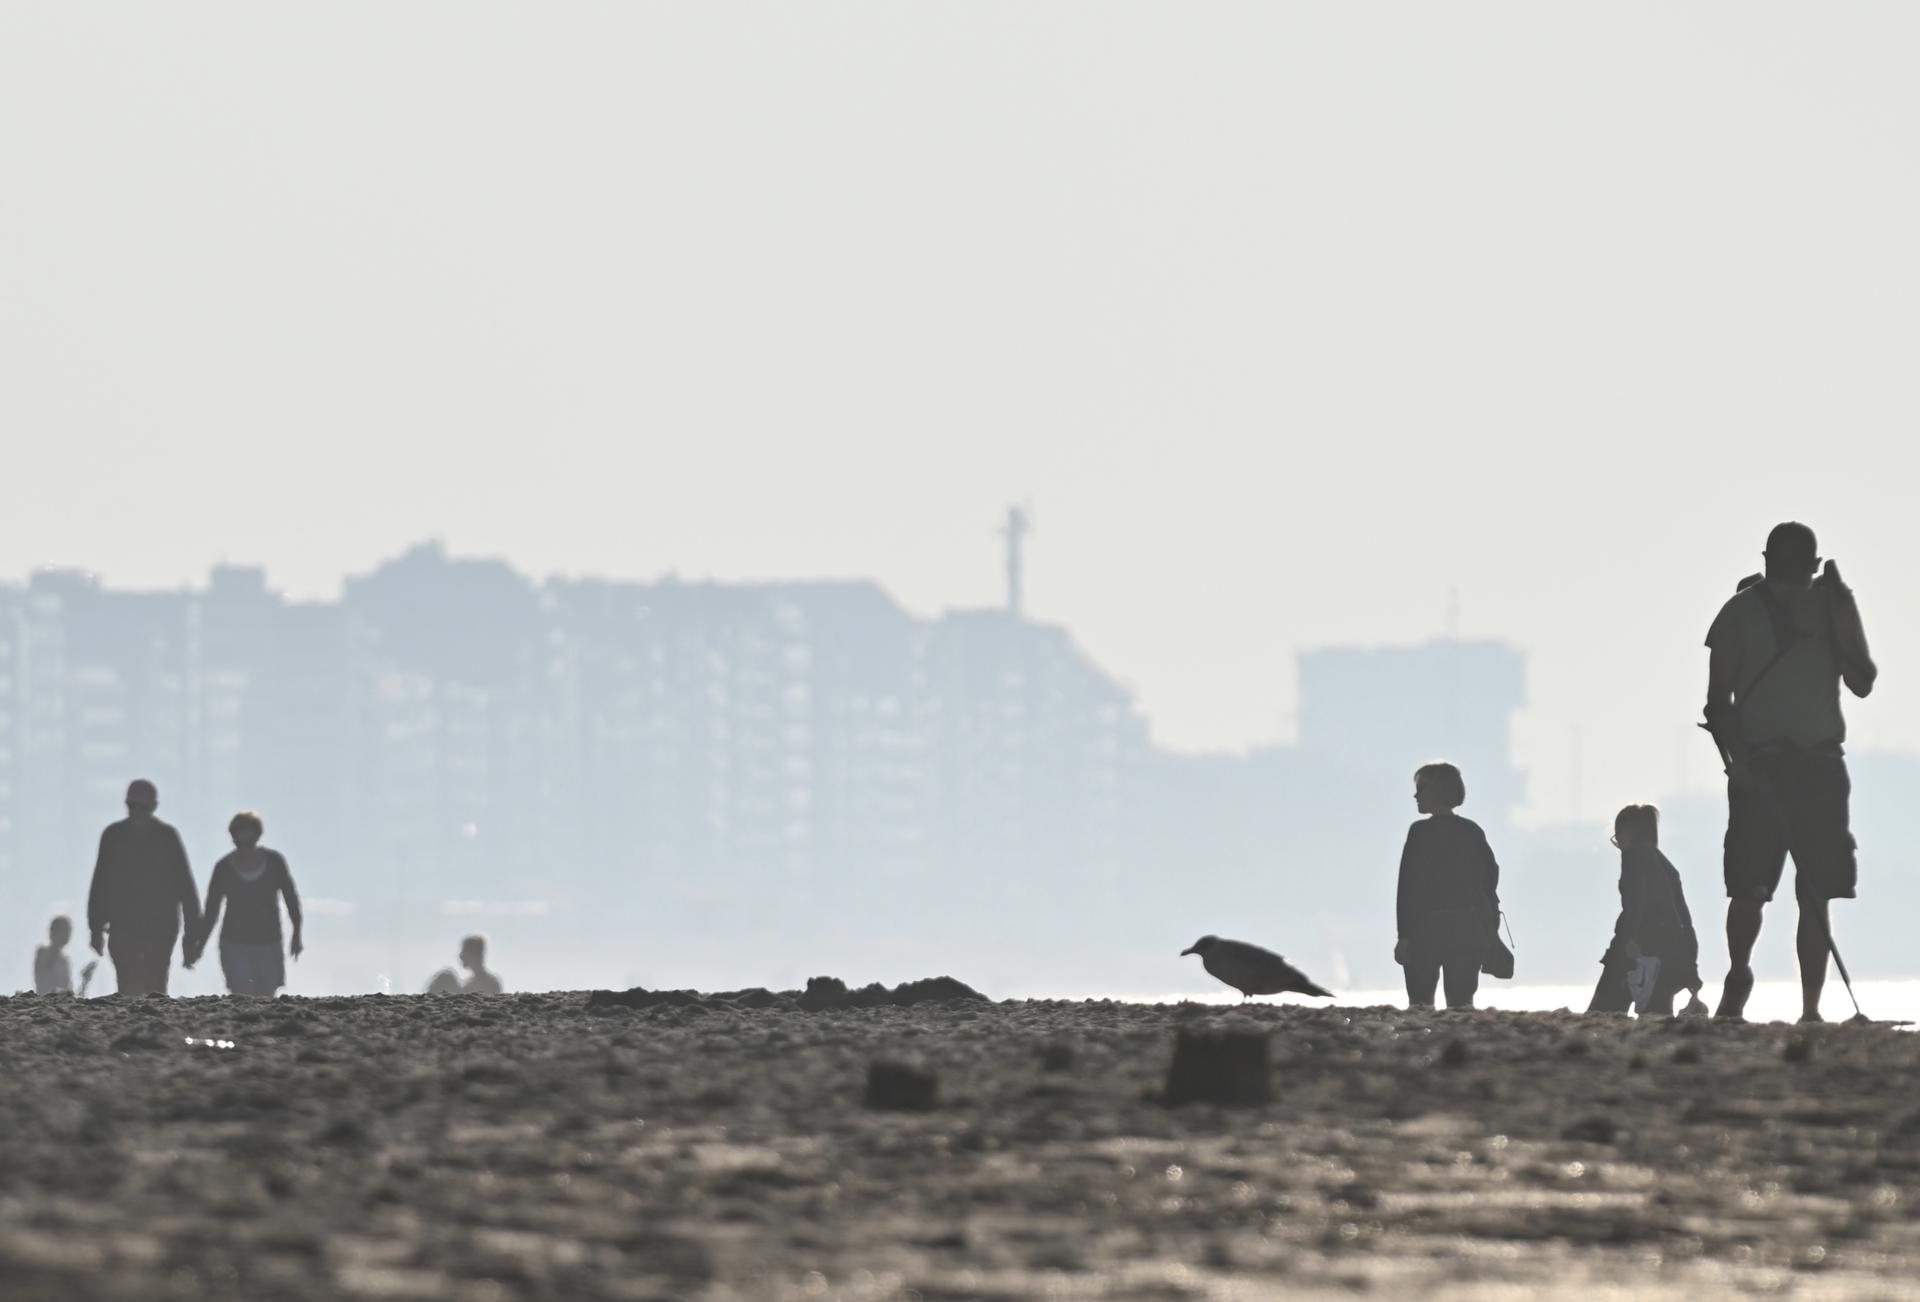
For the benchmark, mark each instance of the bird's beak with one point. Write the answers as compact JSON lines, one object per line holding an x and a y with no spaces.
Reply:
{"x":1188,"y":950}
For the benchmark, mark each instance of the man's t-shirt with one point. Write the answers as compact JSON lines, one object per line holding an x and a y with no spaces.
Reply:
{"x":1799,"y":699}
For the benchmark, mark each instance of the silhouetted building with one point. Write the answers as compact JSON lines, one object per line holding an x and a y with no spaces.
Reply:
{"x":101,"y":692}
{"x":1378,"y":712}
{"x":450,"y":733}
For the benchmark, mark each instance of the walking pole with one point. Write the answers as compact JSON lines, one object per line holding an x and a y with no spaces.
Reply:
{"x":1845,"y":980}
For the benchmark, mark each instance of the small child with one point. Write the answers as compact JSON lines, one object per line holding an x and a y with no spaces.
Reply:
{"x":1449,"y":898}
{"x":52,"y":974}
{"x":1654,"y":954}
{"x":473,"y":957}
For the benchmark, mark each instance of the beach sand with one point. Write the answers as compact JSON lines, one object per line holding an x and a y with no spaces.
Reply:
{"x":526,"y":1146}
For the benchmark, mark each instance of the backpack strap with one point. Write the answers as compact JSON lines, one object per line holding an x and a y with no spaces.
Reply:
{"x":1785,"y":635}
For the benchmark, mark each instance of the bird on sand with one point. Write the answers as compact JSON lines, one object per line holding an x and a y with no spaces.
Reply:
{"x":1250,"y":969}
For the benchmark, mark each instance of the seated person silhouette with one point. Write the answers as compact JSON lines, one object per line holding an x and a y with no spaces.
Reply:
{"x":444,"y":982}
{"x":473,"y":957}
{"x":52,"y":973}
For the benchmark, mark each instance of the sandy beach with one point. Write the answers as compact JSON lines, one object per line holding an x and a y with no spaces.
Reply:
{"x":530,"y":1146}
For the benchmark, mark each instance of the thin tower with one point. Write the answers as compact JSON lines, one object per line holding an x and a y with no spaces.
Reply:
{"x":1018,"y":525}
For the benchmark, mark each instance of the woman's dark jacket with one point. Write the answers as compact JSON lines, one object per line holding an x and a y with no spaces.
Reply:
{"x":1449,"y":890}
{"x":1653,"y":914}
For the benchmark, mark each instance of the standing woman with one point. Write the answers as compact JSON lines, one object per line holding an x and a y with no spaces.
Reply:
{"x":1449,"y":896}
{"x":249,"y":882}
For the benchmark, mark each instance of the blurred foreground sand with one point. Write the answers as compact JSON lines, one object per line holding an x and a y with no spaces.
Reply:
{"x":524,"y":1147}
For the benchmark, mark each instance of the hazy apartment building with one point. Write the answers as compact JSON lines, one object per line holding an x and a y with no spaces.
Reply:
{"x":450,"y":732}
{"x":1038,"y":756}
{"x":1375,"y":713}
{"x":99,"y":681}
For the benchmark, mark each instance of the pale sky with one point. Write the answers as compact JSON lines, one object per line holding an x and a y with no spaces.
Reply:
{"x":1285,"y":318}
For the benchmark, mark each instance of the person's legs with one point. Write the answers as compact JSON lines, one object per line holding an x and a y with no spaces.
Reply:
{"x":1812,"y":943}
{"x":1422,"y":980}
{"x":1463,"y":981}
{"x":233,"y":966}
{"x":139,"y":966}
{"x":156,"y":958}
{"x":1610,"y":993}
{"x":1824,"y":862}
{"x":1755,"y":856}
{"x":160,"y":965}
{"x":1743,"y":929}
{"x":256,"y":970}
{"x":1660,"y":1002}
{"x":127,"y":974}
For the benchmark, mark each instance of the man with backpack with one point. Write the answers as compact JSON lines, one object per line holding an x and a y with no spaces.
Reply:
{"x":1780,"y":648}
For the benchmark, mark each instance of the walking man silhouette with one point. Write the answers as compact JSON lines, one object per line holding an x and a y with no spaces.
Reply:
{"x":143,"y":895}
{"x":1780,"y":649}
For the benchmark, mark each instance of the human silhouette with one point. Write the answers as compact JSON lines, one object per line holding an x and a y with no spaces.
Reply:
{"x":1779,"y":650}
{"x":1448,"y":902}
{"x":251,"y":881}
{"x":52,"y":973}
{"x":444,"y":982}
{"x":142,"y":896}
{"x":1653,"y":938}
{"x":473,"y":957}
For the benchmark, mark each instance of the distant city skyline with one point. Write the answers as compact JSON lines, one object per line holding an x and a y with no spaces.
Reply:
{"x":451,"y":738}
{"x":799,"y":765}
{"x":1285,"y":319}
{"x":1562,"y":769}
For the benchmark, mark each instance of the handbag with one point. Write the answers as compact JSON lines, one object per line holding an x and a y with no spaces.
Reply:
{"x":1497,"y":961}
{"x":1642,"y":980}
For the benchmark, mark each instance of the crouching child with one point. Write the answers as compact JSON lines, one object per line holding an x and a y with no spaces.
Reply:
{"x":1654,"y":954}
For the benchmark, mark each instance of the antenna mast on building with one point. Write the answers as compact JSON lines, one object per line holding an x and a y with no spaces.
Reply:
{"x":1019,"y":525}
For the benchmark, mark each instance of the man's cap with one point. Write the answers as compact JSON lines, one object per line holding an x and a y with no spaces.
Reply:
{"x":1792,"y":539}
{"x":142,"y":792}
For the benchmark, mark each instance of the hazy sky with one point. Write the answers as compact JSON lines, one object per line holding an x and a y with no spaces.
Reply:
{"x":1286,"y":318}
